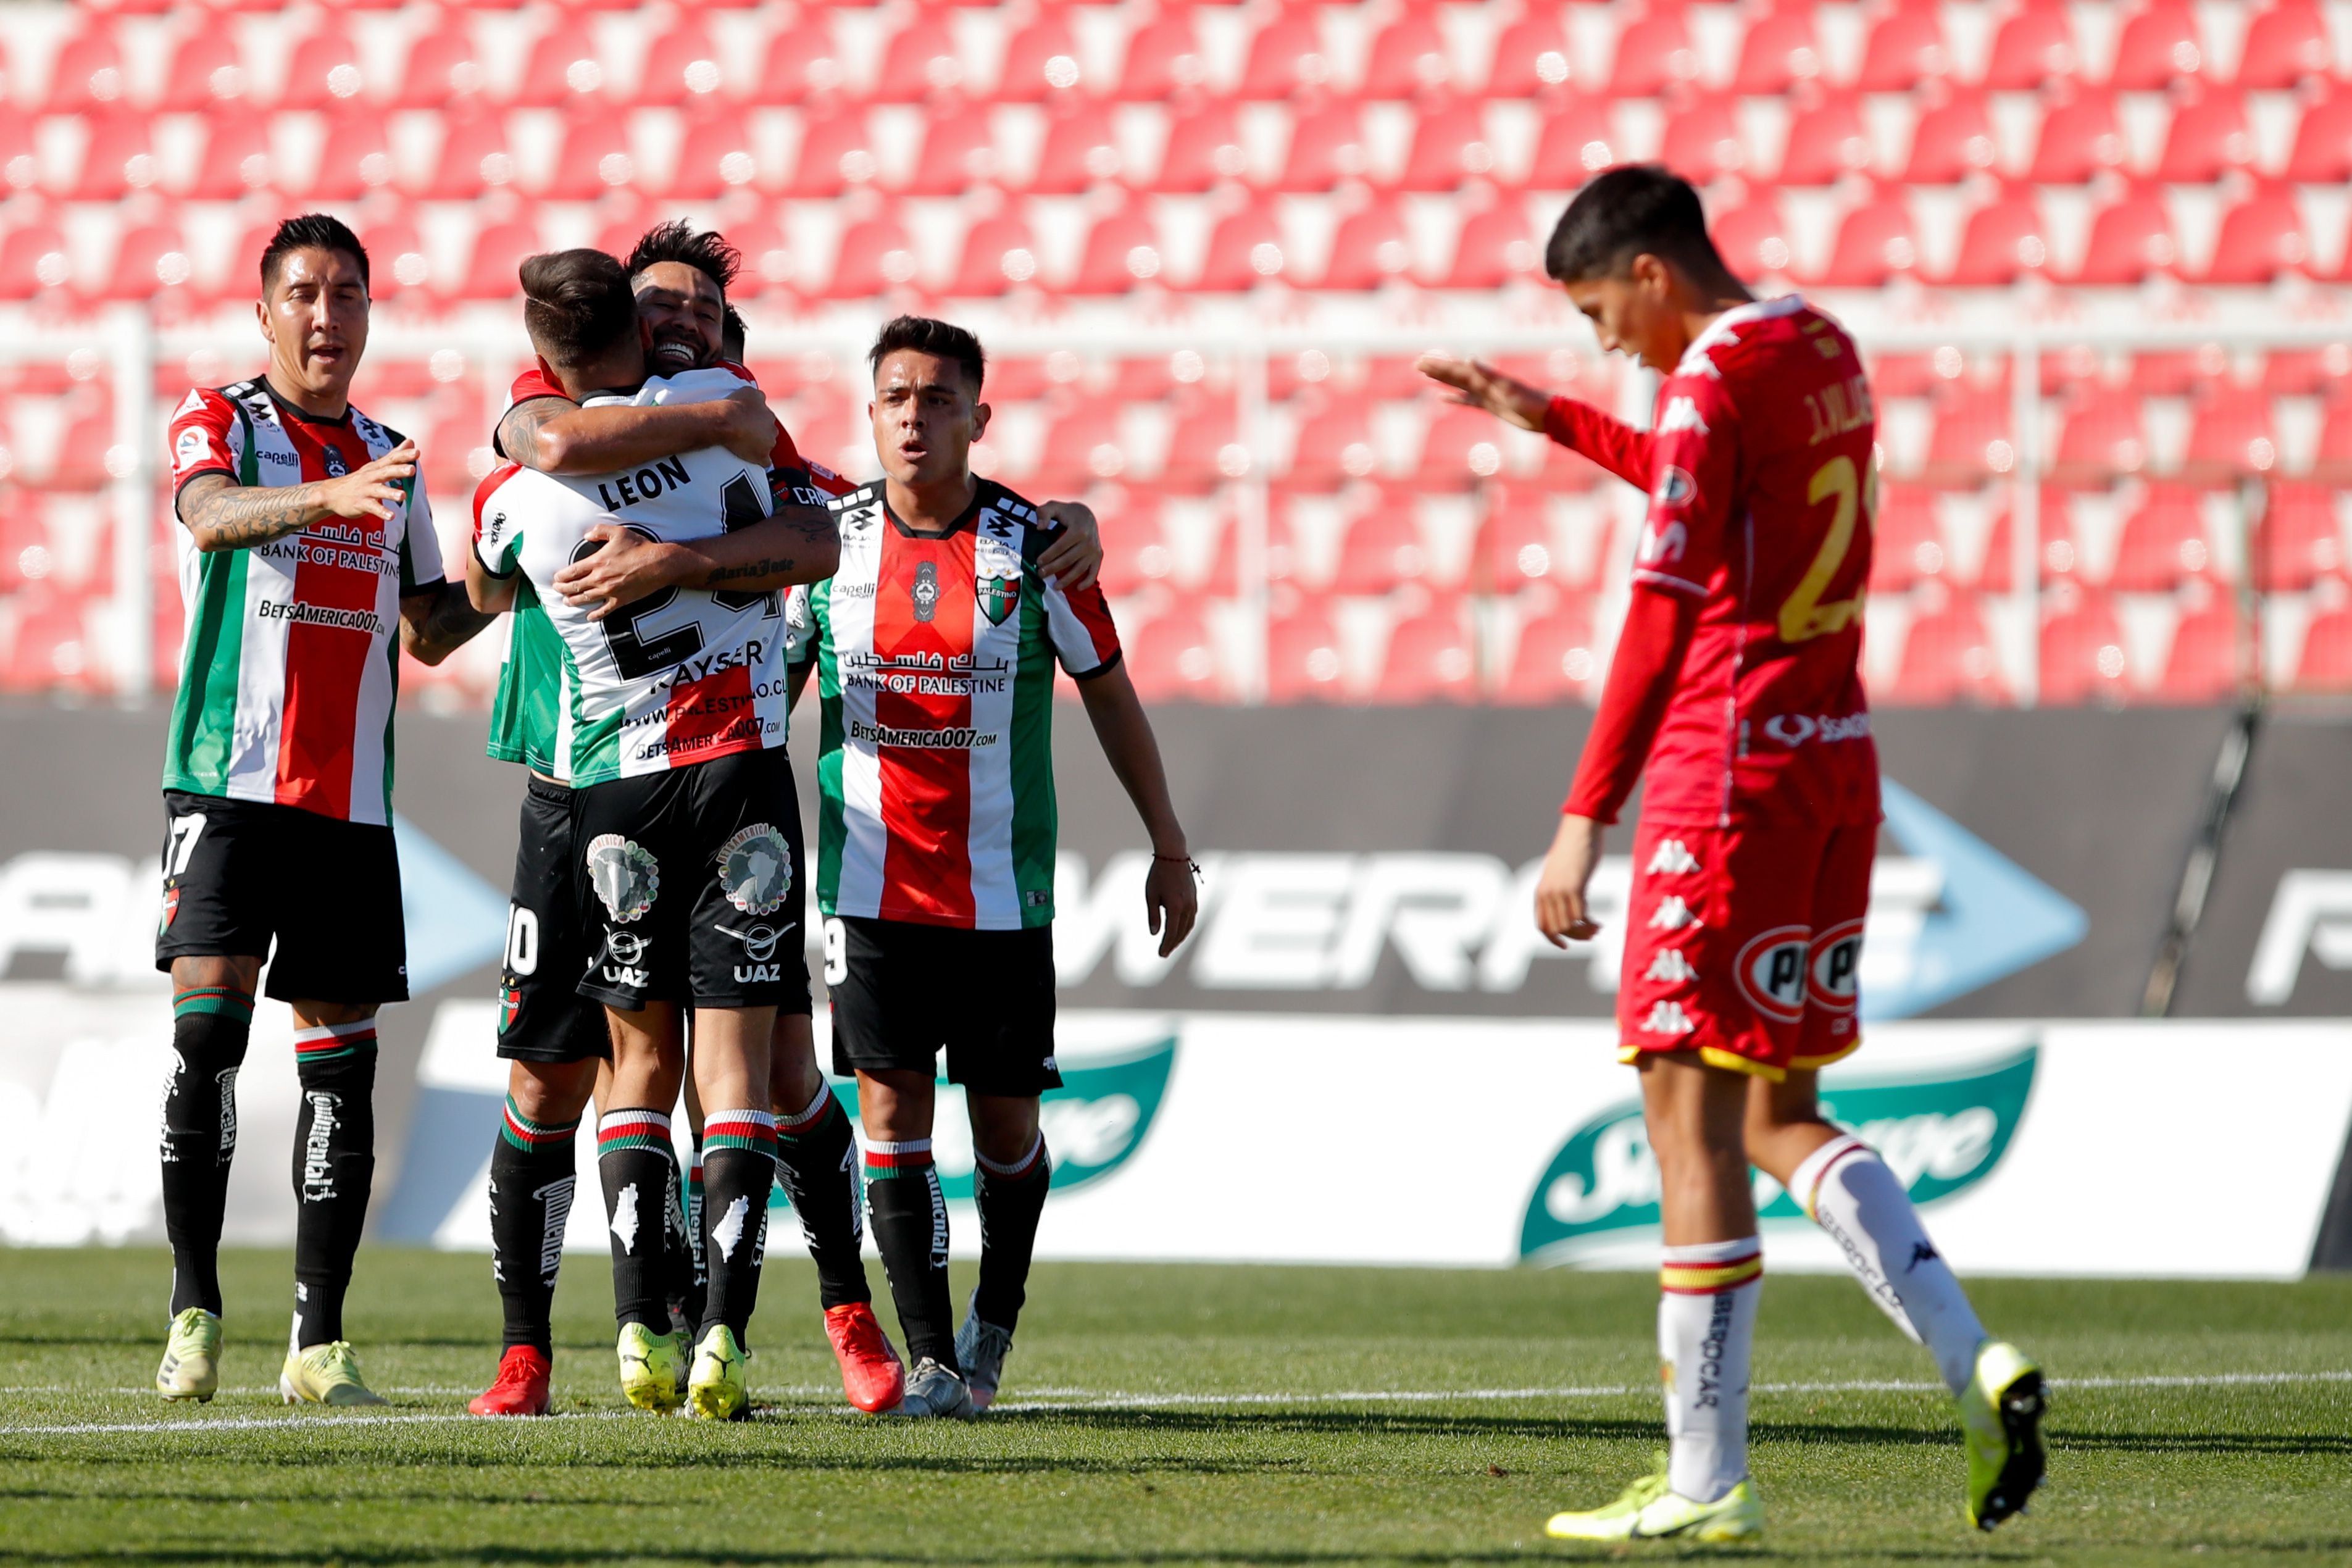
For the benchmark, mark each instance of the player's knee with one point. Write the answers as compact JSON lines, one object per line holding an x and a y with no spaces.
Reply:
{"x":1004,"y":1127}
{"x":211,"y":972}
{"x":552,"y":1091}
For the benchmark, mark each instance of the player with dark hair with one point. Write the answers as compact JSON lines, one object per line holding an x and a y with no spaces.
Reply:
{"x":307,"y":563}
{"x":935,"y":645}
{"x":1736,"y":683}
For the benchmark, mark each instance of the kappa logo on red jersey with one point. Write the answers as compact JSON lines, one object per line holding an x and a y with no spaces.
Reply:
{"x":1772,"y":972}
{"x":1682,"y":414}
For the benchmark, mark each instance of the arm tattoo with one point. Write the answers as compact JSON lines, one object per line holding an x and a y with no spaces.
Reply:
{"x":225,"y":515}
{"x":519,"y":431}
{"x":718,"y":574}
{"x":447,"y":625}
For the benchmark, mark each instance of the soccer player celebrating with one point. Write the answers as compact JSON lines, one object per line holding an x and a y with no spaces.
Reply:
{"x":935,"y":644}
{"x":308,"y":542}
{"x":1737,"y":682}
{"x":686,"y":817}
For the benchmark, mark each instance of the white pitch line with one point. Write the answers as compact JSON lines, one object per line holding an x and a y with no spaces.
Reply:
{"x":1079,"y":1400}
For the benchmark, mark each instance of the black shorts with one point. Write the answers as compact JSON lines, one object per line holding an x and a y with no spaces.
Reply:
{"x":238,"y":874}
{"x":551,"y":936}
{"x":694,"y":886}
{"x":902,"y":991}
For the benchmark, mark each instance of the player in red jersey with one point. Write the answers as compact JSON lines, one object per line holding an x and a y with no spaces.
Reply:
{"x":1736,"y":683}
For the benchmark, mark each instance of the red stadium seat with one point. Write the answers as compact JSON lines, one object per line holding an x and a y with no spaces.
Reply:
{"x":1574,"y":145}
{"x":561,"y":63}
{"x":1409,"y":57}
{"x":1136,"y":556}
{"x":1654,"y":53}
{"x":2322,"y":153}
{"x":2261,"y":237}
{"x":1876,"y":243}
{"x":1373,"y":246}
{"x":1122,"y":250}
{"x":396,"y":259}
{"x":2034,"y":45}
{"x":1163,"y":56}
{"x":149,"y":259}
{"x":1531,"y":58}
{"x":1462,"y":446}
{"x":356,"y":158}
{"x":237,"y":159}
{"x":875,"y":257}
{"x":2209,"y":137}
{"x":836,"y":150}
{"x":801,"y":59}
{"x":2079,"y":138}
{"x":1245,"y":249}
{"x":1702,"y":141}
{"x":1430,"y":659}
{"x":2301,"y":538}
{"x":442,"y":65}
{"x":596,"y":156}
{"x":2326,"y":664}
{"x":1948,"y":657}
{"x":1081,"y":148}
{"x":1284,"y":55}
{"x":2103,"y":435}
{"x":1041,"y":61}
{"x":2203,"y":664}
{"x":1777,"y":52}
{"x":769,"y":265}
{"x":1516,"y":547}
{"x":204,"y":67}
{"x":1496,"y":246}
{"x":499,"y":251}
{"x":683,"y":65}
{"x":473,"y":157}
{"x":52,"y":651}
{"x":1171,"y":656}
{"x":919,"y":60}
{"x":1827,"y":141}
{"x":1335,"y":437}
{"x":118,"y":160}
{"x":1754,"y":237}
{"x":1905,"y":47}
{"x":1557,"y":657}
{"x":2230,"y":435}
{"x":2081,"y":654}
{"x":1906,"y":542}
{"x":1084,"y":444}
{"x":2285,"y":45}
{"x":1970,"y":439}
{"x":1205,"y":448}
{"x":957,"y":150}
{"x":2305,"y":373}
{"x":2156,"y":47}
{"x":1204,"y":148}
{"x":2003,"y":242}
{"x":717,"y":154}
{"x":1326,"y":145}
{"x":327,"y":68}
{"x":1449,"y":146}
{"x":999,"y":254}
{"x":86,"y":76}
{"x":2335,"y":454}
{"x":1381,"y":549}
{"x":1951,"y":142}
{"x":2129,"y":240}
{"x":2163,"y":542}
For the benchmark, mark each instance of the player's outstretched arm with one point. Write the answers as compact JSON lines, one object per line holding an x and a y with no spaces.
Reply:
{"x":1171,"y":901}
{"x":1075,"y":559}
{"x":489,"y":594}
{"x":439,"y":621}
{"x":1616,"y":446}
{"x":556,"y":435}
{"x":798,"y":544}
{"x":225,"y":515}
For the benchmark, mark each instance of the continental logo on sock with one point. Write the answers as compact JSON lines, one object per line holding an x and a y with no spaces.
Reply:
{"x":1940,"y":1134}
{"x":1709,"y":1279}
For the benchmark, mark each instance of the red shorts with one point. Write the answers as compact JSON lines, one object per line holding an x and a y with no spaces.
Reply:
{"x":1742,"y":944}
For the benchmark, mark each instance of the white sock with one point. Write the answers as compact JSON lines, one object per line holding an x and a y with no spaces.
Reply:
{"x":1853,"y":1196}
{"x":1707,"y":1330}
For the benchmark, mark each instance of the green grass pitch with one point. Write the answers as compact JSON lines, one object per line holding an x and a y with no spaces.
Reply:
{"x":1163,"y":1414}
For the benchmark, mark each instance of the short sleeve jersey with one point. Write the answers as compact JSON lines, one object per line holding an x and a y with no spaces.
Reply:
{"x":935,"y":661}
{"x":292,"y":660}
{"x":680,"y":677}
{"x":1763,"y":491}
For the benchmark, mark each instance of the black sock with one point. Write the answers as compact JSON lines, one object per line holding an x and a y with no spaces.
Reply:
{"x":738,"y":1166}
{"x":334,"y":1169}
{"x":210,"y":1025}
{"x":633,"y":1164}
{"x":910,"y":1229}
{"x":688,"y":1287}
{"x":816,"y":1159}
{"x":1010,"y":1198}
{"x":532,"y":1188}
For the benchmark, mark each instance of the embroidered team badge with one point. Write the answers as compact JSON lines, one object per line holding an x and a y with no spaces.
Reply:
{"x":925,"y":592}
{"x":509,"y":1004}
{"x":755,"y":868}
{"x":998,"y":596}
{"x":625,"y":875}
{"x":171,"y":908}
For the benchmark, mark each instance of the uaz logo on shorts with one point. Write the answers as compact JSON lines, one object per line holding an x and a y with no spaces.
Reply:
{"x":1771,"y":969}
{"x":626,"y":950}
{"x":759,"y":947}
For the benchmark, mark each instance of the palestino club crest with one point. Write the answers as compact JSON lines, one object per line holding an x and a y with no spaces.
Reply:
{"x":755,"y":868}
{"x":997,"y":597}
{"x":625,"y":875}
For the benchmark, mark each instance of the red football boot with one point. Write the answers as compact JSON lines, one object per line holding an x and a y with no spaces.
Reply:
{"x":871,"y":1372}
{"x":521,"y":1388}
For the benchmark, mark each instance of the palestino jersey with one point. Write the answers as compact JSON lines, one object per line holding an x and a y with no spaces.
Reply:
{"x":679,"y":677}
{"x":1763,"y":491}
{"x":935,"y":665}
{"x":291,"y":657}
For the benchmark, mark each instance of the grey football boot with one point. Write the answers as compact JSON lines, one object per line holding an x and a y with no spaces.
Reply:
{"x":981,"y":1348}
{"x":935,"y":1391}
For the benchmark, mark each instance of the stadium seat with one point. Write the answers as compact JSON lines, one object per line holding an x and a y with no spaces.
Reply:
{"x":771,"y":266}
{"x":2129,"y":240}
{"x":1655,"y":52}
{"x":1381,"y":549}
{"x":1284,"y":55}
{"x":1303,"y":659}
{"x":2230,"y":435}
{"x":2284,"y":45}
{"x":1496,"y":246}
{"x":499,"y":251}
{"x":1171,"y":656}
{"x":2322,"y":153}
{"x":1461,"y":447}
{"x":1827,"y":141}
{"x":2177,"y":373}
{"x":1876,"y":243}
{"x":2333,"y":459}
{"x":1373,"y":246}
{"x":473,"y":156}
{"x":873,"y":257}
{"x":2079,"y":137}
{"x":148,"y":259}
{"x":2033,"y":45}
{"x":1575,"y":144}
{"x":443,"y":65}
{"x":2163,"y":542}
{"x":2301,"y":538}
{"x":2305,"y":373}
{"x":1204,"y":448}
{"x":1326,"y":145}
{"x":1702,"y":141}
{"x":326,"y":69}
{"x":836,"y":150}
{"x":919,"y":60}
{"x":2202,"y":663}
{"x":1136,"y":556}
{"x":1969,"y":440}
{"x":2103,"y":435}
{"x":1163,"y":56}
{"x":2261,"y":237}
{"x":1408,"y":58}
{"x":1041,"y":61}
{"x":1558,"y":656}
{"x":1245,"y":249}
{"x":1531,"y":58}
{"x":1204,"y":148}
{"x":1122,"y":249}
{"x":596,"y":155}
{"x":2325,"y":663}
{"x":2003,"y":241}
{"x":1083,"y":444}
{"x":52,"y":651}
{"x":1948,"y":657}
{"x":355,"y":157}
{"x":86,"y":75}
{"x":1753,"y":238}
{"x":683,"y":65}
{"x":1905,"y":47}
{"x":2208,"y":138}
{"x":118,"y":160}
{"x":958,"y":150}
{"x":1951,"y":142}
{"x":999,"y":254}
{"x":803,"y":59}
{"x":1777,"y":51}
{"x":203,"y":66}
{"x":1516,"y":547}
{"x":562,"y":62}
{"x":1430,"y":659}
{"x":396,"y":257}
{"x":717,"y":153}
{"x":1906,"y":541}
{"x":2081,"y":654}
{"x":2156,"y":47}
{"x":1335,"y":441}
{"x":1081,"y":148}
{"x":1449,"y":146}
